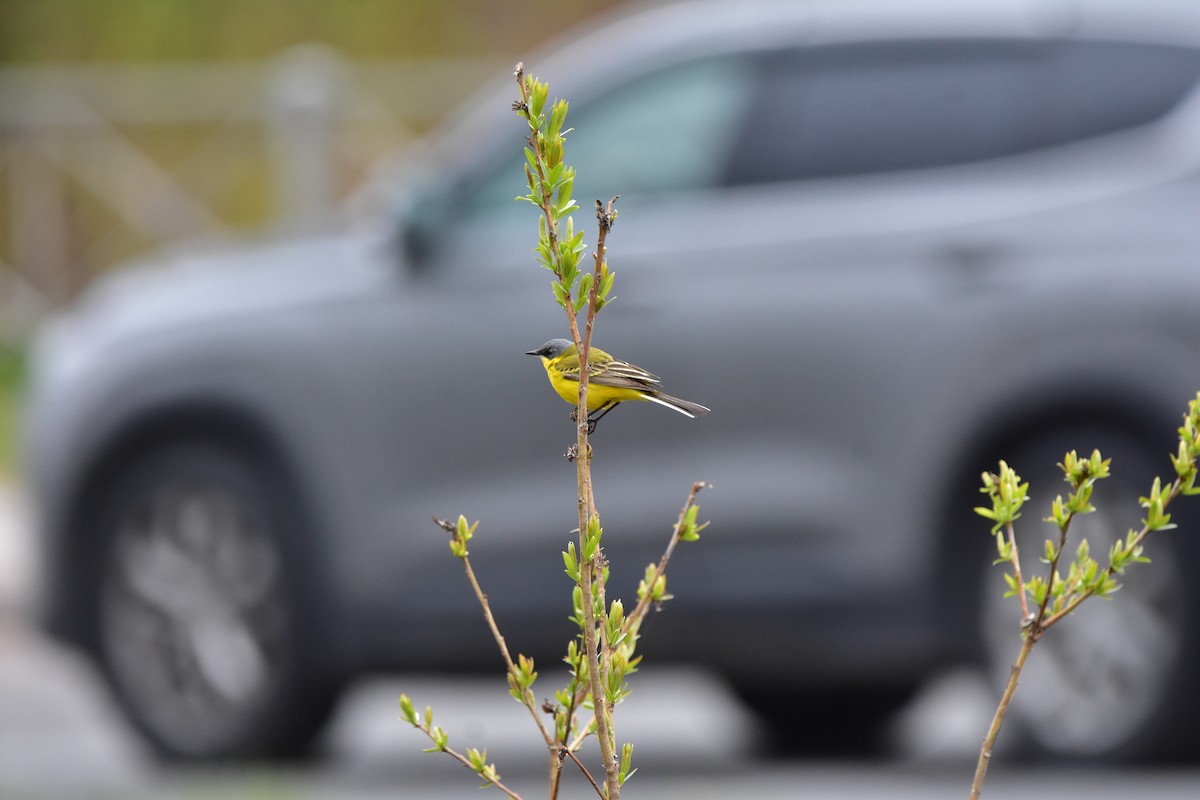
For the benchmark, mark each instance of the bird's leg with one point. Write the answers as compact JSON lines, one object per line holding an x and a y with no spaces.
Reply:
{"x":592,"y":420}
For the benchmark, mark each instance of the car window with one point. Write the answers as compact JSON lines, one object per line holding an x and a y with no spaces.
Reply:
{"x":847,"y":110}
{"x":668,"y":130}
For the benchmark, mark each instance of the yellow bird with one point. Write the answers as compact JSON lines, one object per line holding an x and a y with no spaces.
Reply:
{"x":610,"y":381}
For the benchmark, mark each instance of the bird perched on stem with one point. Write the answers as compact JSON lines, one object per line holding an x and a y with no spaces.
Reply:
{"x":610,"y":381}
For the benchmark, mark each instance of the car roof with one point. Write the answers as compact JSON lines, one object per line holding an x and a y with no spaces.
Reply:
{"x":610,"y":48}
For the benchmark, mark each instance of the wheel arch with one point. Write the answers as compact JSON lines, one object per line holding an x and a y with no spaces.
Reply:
{"x":230,"y":426}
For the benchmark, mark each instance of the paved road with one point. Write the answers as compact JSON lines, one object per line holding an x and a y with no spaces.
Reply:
{"x":61,"y":739}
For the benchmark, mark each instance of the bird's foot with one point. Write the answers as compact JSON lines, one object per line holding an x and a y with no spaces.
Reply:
{"x":591,"y":423}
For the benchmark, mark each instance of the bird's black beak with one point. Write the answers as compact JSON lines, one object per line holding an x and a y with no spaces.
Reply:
{"x":533,"y":352}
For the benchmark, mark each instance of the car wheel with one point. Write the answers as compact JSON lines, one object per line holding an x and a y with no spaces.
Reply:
{"x":1116,"y":679}
{"x":199,"y":624}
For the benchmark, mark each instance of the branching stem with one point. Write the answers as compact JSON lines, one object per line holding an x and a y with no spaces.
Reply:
{"x":1036,"y":624}
{"x":590,"y":568}
{"x":1139,"y":539}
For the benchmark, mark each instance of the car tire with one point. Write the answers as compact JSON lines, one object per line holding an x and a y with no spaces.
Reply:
{"x":200,"y":623}
{"x":1116,"y":680}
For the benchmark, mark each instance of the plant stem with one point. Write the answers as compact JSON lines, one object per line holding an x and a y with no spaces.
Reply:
{"x":597,"y":664}
{"x":591,"y":587}
{"x":989,"y":741}
{"x":466,"y":762}
{"x":1015,"y":559}
{"x":527,"y":698}
{"x":585,"y":772}
{"x":555,"y":775}
{"x":633,"y":620}
{"x":587,"y":579}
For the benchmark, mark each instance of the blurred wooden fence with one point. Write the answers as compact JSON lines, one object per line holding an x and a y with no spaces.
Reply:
{"x":101,"y":162}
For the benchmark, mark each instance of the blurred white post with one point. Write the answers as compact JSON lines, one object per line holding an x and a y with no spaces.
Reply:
{"x":304,"y":88}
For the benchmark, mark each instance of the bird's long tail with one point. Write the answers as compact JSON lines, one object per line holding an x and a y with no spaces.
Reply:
{"x":685,"y":407}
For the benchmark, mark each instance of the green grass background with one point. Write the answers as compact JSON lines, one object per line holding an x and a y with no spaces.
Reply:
{"x":166,"y":30}
{"x":12,"y":368}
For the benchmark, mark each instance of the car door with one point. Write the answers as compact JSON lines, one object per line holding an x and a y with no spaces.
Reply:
{"x":808,"y":238}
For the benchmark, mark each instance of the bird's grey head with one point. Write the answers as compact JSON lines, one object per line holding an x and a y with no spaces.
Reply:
{"x":552,"y":349}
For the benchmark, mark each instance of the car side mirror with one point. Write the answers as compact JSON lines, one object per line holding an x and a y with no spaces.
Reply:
{"x":421,"y":226}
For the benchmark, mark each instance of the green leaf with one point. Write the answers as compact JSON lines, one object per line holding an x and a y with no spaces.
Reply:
{"x":1057,"y":585}
{"x":564,"y":189}
{"x":554,"y":177}
{"x":560,"y":293}
{"x":626,"y":761}
{"x":1003,"y":548}
{"x":440,"y":740}
{"x":585,"y":287}
{"x":576,"y":242}
{"x":1037,"y":589}
{"x":465,"y":530}
{"x":1049,"y":552}
{"x":569,"y":269}
{"x":591,"y":542}
{"x":553,"y":151}
{"x":558,"y":115}
{"x":407,"y":710}
{"x":571,"y":561}
{"x":538,"y":92}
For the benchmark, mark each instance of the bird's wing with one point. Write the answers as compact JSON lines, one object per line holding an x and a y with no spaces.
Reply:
{"x":605,"y":370}
{"x":615,"y":372}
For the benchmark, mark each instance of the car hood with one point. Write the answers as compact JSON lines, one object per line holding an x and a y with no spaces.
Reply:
{"x":186,"y":287}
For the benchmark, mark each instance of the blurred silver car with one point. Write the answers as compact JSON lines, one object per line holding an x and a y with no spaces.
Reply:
{"x":885,"y":243}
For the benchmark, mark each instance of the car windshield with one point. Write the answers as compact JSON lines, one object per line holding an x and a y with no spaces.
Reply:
{"x":627,"y":139}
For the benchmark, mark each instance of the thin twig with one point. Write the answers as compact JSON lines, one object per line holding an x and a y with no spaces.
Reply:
{"x":527,"y":696}
{"x":585,"y":772}
{"x":989,"y":741}
{"x":1015,"y":560}
{"x":466,"y":762}
{"x":639,"y":611}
